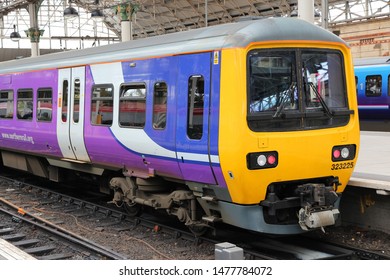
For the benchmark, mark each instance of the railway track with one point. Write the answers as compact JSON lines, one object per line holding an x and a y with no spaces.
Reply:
{"x":38,"y":206}
{"x":67,"y":244}
{"x":44,"y":209}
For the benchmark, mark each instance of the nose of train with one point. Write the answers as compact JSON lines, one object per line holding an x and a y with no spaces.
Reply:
{"x":251,"y":167}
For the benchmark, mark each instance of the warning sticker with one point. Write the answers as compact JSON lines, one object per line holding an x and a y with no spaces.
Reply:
{"x":216,"y":58}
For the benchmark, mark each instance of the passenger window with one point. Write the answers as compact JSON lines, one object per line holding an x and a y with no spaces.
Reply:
{"x":76,"y":100}
{"x":388,"y":85}
{"x":357,"y":84}
{"x":44,"y":104}
{"x":195,"y":107}
{"x":102,"y":104}
{"x":160,"y":105}
{"x":373,"y":85}
{"x":132,"y":105}
{"x":64,"y":107}
{"x":25,"y":104}
{"x":6,"y":104}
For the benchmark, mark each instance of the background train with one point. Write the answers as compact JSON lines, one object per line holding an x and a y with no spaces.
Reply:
{"x":373,"y":87}
{"x":253,"y":124}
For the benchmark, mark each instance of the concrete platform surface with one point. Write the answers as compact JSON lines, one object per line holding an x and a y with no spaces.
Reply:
{"x":373,"y":165}
{"x":11,"y":252}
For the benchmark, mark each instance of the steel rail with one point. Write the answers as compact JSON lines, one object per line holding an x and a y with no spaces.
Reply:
{"x":57,"y":230}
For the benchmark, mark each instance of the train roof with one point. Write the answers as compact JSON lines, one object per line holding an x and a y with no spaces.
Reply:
{"x":382,"y":60}
{"x":237,"y":34}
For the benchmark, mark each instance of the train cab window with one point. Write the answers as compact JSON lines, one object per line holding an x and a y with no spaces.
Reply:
{"x":373,"y":85}
{"x":76,"y":100}
{"x":102,"y":104}
{"x":25,"y":103}
{"x":195,"y":107}
{"x":45,"y":104}
{"x":292,"y":89}
{"x":160,"y":105}
{"x":273,"y":82}
{"x":6,"y":104}
{"x":132,"y":107}
{"x":321,"y":72}
{"x":64,"y":106}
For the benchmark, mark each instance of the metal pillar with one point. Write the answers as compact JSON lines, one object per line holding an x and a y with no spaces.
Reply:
{"x":34,"y":32}
{"x":325,"y":13}
{"x":1,"y":30}
{"x":126,"y":30}
{"x":306,"y":10}
{"x":126,"y":13}
{"x":206,"y":19}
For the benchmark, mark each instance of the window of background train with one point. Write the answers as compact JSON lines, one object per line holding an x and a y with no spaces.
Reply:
{"x":25,"y":104}
{"x":195,"y":107}
{"x":388,"y":85}
{"x":132,"y":105}
{"x":102,"y":104}
{"x":44,"y":104}
{"x":160,"y":105}
{"x":373,"y":85}
{"x":357,"y":84}
{"x":6,"y":104}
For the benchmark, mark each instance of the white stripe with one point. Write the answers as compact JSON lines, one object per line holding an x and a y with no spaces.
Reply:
{"x":133,"y":138}
{"x":373,"y":107}
{"x":214,"y":159}
{"x":198,"y":157}
{"x":193,"y":157}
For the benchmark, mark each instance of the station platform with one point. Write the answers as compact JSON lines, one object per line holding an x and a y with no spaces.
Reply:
{"x":11,"y":252}
{"x":373,"y":166}
{"x":365,"y":203}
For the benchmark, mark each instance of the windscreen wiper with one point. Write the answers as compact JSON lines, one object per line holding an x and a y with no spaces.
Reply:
{"x":287,"y":95}
{"x":322,"y":101}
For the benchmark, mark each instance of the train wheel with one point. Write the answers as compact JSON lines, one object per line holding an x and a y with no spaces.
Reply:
{"x":133,"y":209}
{"x":198,"y":230}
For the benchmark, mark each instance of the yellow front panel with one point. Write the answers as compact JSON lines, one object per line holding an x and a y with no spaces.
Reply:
{"x":302,"y":154}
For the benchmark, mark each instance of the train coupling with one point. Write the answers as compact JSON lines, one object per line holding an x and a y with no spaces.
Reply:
{"x":311,"y":220}
{"x":317,"y":210}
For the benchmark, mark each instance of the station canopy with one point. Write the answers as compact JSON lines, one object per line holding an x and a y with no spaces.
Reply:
{"x":90,"y":23}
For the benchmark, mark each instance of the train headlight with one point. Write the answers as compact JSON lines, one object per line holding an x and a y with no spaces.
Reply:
{"x":262,"y":160}
{"x":345,"y":152}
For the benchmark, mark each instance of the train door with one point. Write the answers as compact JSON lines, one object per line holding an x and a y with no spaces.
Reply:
{"x":193,"y":103}
{"x":70,"y":113}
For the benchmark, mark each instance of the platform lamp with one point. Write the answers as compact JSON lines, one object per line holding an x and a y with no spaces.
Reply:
{"x":70,"y":12}
{"x":97,"y":14}
{"x":15,"y":36}
{"x":294,"y":12}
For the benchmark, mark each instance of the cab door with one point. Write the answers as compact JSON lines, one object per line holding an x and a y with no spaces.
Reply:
{"x":70,"y":114}
{"x":192,"y":126}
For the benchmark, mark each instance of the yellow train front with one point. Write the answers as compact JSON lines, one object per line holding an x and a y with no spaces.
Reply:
{"x":289,"y":131}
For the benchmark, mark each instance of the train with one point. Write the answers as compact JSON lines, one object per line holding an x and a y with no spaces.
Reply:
{"x":373,"y":87}
{"x":253,"y":123}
